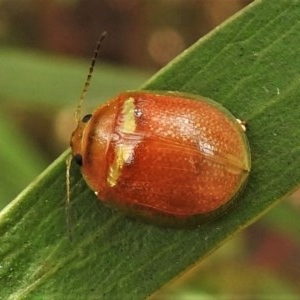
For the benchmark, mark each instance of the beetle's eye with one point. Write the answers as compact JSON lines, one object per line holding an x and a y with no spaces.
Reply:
{"x":78,"y":159}
{"x":86,"y":118}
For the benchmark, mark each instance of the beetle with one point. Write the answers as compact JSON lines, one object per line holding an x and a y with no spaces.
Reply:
{"x":172,"y":158}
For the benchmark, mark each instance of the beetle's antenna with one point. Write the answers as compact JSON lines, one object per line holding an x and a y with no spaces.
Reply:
{"x":88,"y":80}
{"x":67,"y":204}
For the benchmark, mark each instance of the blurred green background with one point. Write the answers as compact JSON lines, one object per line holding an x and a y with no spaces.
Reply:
{"x":45,"y":47}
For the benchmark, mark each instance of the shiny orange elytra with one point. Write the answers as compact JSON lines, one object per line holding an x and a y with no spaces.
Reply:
{"x":172,"y":158}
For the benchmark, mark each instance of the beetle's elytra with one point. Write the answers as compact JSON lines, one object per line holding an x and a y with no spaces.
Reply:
{"x":172,"y":158}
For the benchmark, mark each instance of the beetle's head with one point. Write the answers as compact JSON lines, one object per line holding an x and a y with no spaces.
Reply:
{"x":76,"y":139}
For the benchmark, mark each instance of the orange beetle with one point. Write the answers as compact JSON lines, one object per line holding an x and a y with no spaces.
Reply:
{"x":173,"y":158}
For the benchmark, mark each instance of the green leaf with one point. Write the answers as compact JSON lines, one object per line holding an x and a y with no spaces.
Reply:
{"x":251,"y":65}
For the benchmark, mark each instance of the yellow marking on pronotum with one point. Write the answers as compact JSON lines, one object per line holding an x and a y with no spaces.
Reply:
{"x":128,"y":121}
{"x":123,"y":152}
